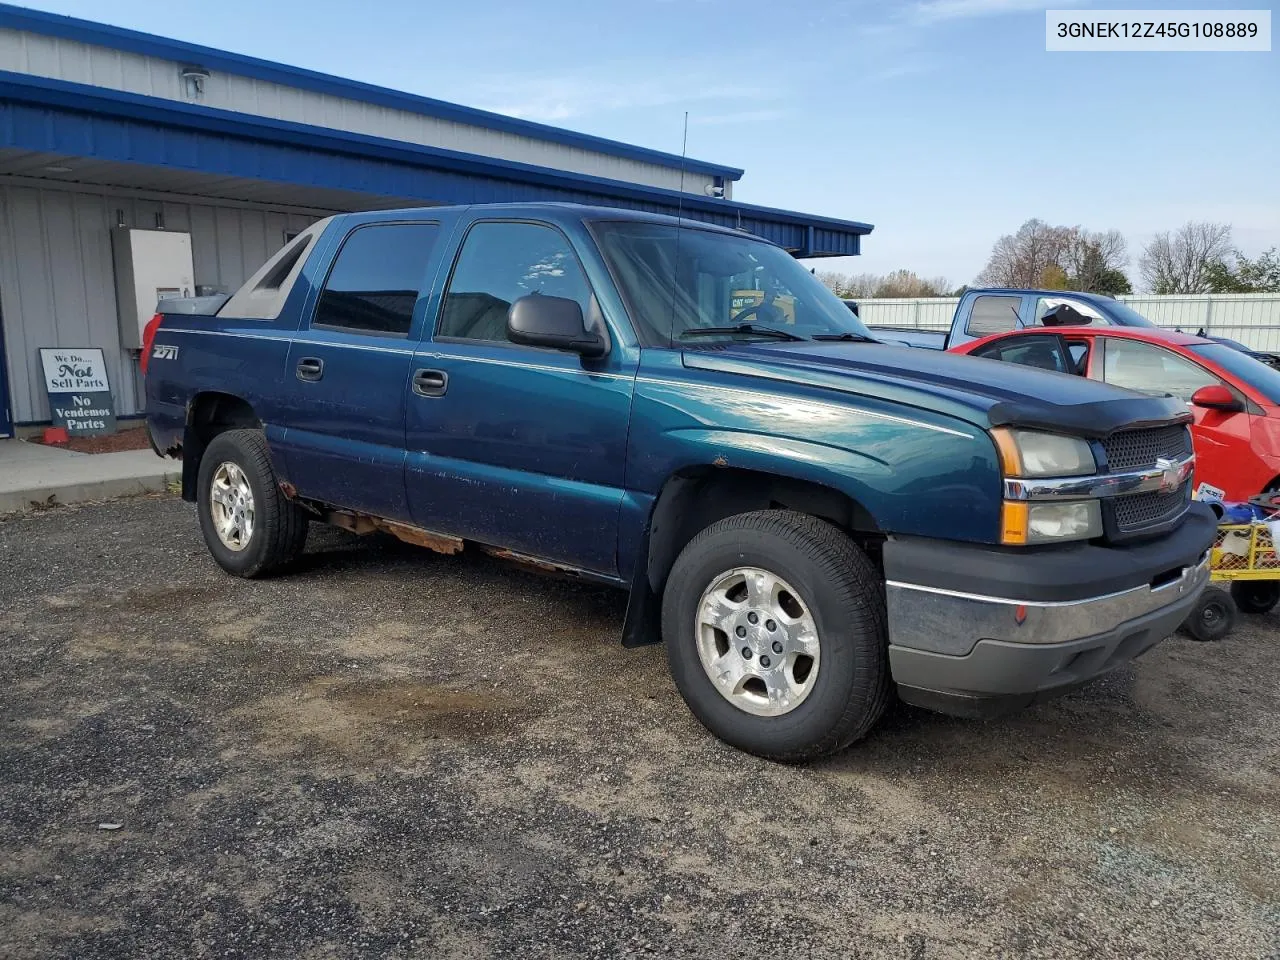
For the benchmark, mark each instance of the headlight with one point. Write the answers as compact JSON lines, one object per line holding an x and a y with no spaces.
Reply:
{"x":1027,"y":522}
{"x":1026,"y":453}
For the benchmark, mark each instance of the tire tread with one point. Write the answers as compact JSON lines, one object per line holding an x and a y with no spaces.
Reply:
{"x":846,"y":569}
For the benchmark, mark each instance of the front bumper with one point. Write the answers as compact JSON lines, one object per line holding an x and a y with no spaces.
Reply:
{"x":978,"y":652}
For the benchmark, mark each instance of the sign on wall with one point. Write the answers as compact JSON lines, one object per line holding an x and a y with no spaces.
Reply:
{"x":79,"y":393}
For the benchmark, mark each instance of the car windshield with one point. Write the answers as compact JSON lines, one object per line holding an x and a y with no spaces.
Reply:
{"x":1254,"y":372}
{"x":697,"y":287}
{"x":1127,"y":316}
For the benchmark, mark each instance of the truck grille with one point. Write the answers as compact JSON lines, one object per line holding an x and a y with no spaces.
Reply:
{"x":1137,"y":513}
{"x":1140,"y":511}
{"x":1140,"y":448}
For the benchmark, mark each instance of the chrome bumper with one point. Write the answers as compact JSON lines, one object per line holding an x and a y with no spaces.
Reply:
{"x":950,"y":622}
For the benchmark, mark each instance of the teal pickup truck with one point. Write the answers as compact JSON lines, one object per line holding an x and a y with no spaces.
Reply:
{"x":812,"y":522}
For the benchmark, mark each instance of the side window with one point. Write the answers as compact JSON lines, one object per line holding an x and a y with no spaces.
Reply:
{"x":1079,"y":351}
{"x":1045,"y":353}
{"x":1150,"y":369}
{"x":993,"y":315}
{"x":499,"y":264}
{"x":374,"y":282}
{"x":1090,"y":315}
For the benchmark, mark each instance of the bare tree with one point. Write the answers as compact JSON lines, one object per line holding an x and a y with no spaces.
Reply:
{"x":1026,"y":258}
{"x":1183,"y":261}
{"x":897,"y":283}
{"x":1095,"y":262}
{"x":1059,"y":258}
{"x":905,"y":283}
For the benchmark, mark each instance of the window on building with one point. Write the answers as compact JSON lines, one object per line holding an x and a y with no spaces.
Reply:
{"x":993,"y":315}
{"x":376,"y":278}
{"x":1151,"y":369}
{"x":499,"y":264}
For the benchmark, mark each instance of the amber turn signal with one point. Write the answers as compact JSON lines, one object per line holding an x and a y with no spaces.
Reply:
{"x":1013,"y":522}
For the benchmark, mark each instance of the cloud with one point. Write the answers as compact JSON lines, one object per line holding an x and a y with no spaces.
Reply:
{"x":728,"y":119}
{"x":559,"y":98}
{"x":935,"y":11}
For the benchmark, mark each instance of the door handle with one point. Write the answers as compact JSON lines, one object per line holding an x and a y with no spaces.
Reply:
{"x":310,"y":368}
{"x":430,"y":383}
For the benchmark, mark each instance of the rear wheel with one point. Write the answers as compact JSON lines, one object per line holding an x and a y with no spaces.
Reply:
{"x":774,"y":624}
{"x":249,"y":525}
{"x":1256,"y":596}
{"x":1213,"y":617}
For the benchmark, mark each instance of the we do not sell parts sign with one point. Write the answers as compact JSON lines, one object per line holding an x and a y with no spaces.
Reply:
{"x":79,"y":392}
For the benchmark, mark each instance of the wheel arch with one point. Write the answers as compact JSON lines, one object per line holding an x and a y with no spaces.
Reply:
{"x":210,"y":413}
{"x":695,"y":497}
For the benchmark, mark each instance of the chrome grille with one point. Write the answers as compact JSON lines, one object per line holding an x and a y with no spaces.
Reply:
{"x":1140,"y":448}
{"x":1140,"y":511}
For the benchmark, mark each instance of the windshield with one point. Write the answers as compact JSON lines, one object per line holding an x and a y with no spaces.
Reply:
{"x":1243,"y":367}
{"x":1127,"y":316}
{"x":684,"y":285}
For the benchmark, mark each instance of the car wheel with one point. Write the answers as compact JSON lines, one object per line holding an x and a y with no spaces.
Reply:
{"x":249,"y":525}
{"x":1256,"y":596}
{"x":775,"y":628}
{"x":1213,"y":616}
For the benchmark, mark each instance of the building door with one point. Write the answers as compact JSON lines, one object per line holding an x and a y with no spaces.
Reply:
{"x":6,"y":418}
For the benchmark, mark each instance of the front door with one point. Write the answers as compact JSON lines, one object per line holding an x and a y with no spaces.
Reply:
{"x":348,"y":370}
{"x":1221,"y":438}
{"x":518,"y":447}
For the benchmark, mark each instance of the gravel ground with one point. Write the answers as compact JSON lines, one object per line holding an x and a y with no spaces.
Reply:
{"x":389,"y":753}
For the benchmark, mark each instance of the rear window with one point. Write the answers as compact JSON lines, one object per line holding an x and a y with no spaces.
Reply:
{"x":993,"y":315}
{"x":375,"y":280}
{"x":1250,"y":370}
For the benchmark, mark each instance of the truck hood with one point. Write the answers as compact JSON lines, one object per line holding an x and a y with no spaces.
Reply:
{"x":988,"y":393}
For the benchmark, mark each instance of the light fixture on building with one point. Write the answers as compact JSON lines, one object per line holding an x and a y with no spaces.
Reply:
{"x":57,"y":168}
{"x":193,"y":79}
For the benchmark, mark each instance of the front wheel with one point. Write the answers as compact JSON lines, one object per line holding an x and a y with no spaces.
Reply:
{"x":775,"y":629}
{"x":249,"y":525}
{"x":1256,"y":596}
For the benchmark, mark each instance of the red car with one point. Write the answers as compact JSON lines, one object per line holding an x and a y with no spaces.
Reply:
{"x":1234,"y":398}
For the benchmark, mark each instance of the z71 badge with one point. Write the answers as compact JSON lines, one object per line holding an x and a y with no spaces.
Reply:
{"x":164,"y":351}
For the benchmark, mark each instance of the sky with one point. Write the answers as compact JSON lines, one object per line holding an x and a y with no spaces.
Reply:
{"x":943,"y":122}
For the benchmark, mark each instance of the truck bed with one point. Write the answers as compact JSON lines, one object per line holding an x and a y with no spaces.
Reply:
{"x":912,"y":336}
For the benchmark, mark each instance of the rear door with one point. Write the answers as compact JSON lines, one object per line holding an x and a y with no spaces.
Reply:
{"x":347,"y":372}
{"x":515,"y":446}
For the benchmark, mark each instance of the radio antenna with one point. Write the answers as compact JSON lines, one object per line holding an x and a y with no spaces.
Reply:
{"x":675,"y":266}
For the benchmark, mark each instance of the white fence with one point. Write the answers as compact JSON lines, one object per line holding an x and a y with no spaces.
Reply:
{"x":1251,"y":318}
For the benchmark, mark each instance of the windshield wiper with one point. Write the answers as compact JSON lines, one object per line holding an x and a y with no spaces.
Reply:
{"x":749,"y":328}
{"x":850,"y":337}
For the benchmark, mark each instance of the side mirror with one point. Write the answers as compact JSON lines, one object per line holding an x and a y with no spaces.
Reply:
{"x":556,"y":322}
{"x":1065,"y":315}
{"x":1216,"y":397}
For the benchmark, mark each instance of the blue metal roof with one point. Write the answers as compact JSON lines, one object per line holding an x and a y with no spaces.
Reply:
{"x":55,"y":116}
{"x":146,"y":44}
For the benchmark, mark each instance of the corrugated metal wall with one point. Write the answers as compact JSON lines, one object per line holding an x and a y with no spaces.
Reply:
{"x":57,"y":283}
{"x":76,"y":62}
{"x":1251,"y":318}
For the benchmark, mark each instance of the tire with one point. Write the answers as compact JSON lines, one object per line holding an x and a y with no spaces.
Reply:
{"x":278,"y":530}
{"x":1213,"y":616}
{"x":833,"y":582}
{"x":1256,"y":596}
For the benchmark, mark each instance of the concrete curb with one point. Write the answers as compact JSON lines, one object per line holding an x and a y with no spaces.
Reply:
{"x":38,"y":498}
{"x":33,"y":477}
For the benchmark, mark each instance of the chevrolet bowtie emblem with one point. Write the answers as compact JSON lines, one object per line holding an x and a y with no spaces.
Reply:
{"x":1172,"y":473}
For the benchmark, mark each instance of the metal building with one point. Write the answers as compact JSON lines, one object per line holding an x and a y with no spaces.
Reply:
{"x":104,"y":129}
